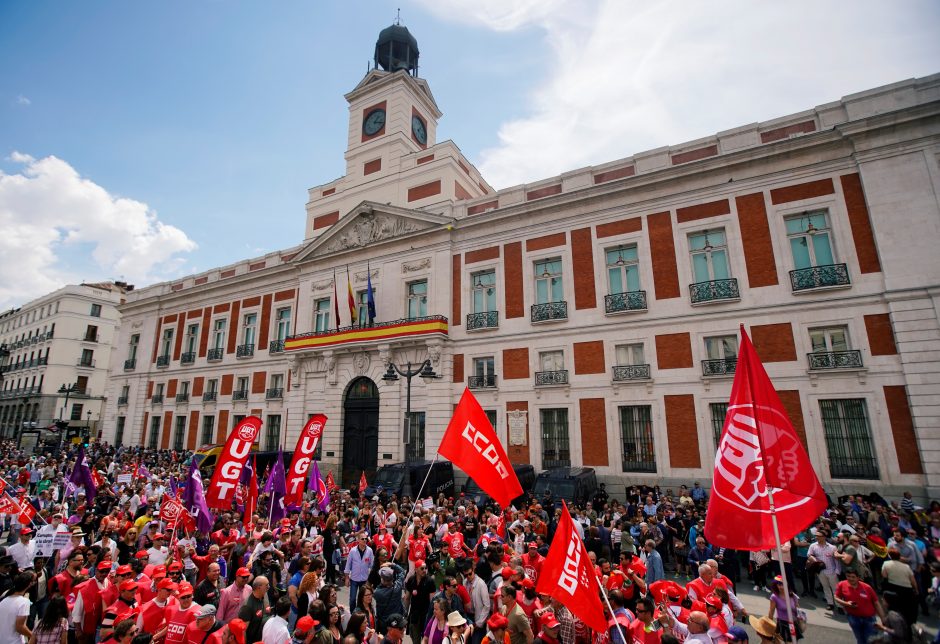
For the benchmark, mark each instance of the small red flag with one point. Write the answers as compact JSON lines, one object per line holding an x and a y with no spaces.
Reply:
{"x":759,"y":449}
{"x":251,"y":502}
{"x":363,"y":484}
{"x":472,"y":445}
{"x":330,"y":483}
{"x":568,"y":575}
{"x":27,"y":512}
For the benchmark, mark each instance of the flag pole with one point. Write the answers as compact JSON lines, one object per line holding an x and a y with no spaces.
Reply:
{"x":773,"y":510}
{"x":600,"y":583}
{"x":411,"y":521}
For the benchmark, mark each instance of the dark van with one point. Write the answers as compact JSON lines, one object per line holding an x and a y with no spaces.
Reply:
{"x":570,"y":484}
{"x":524,"y":472}
{"x":404,"y":479}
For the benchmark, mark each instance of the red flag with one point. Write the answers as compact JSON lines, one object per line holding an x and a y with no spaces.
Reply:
{"x":472,"y":445}
{"x":363,"y":484}
{"x":27,"y":512}
{"x":330,"y":483}
{"x":3,"y":485}
{"x":759,"y":448}
{"x":8,"y":505}
{"x":231,"y":461}
{"x":568,"y":575}
{"x":171,"y":510}
{"x":251,"y":502}
{"x":300,"y":463}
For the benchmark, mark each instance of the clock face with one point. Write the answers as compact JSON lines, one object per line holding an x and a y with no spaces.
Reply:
{"x":375,"y":121}
{"x":418,"y":129}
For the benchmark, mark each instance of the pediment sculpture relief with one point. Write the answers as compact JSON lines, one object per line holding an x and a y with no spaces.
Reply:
{"x":369,"y":228}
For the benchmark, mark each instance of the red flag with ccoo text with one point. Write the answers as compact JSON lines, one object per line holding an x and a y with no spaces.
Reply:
{"x":228,"y":470}
{"x":759,"y":448}
{"x":300,"y":463}
{"x":471,"y":444}
{"x":568,"y":575}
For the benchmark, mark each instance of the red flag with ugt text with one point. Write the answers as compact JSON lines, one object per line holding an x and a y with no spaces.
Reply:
{"x":221,"y":491}
{"x":472,"y":445}
{"x":759,"y":450}
{"x":568,"y":575}
{"x":363,"y":484}
{"x":300,"y":463}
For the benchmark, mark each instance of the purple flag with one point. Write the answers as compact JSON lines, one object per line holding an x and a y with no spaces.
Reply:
{"x":174,"y":490}
{"x":81,"y":476}
{"x":319,"y":487}
{"x":194,"y":499}
{"x":276,"y":486}
{"x":144,"y":472}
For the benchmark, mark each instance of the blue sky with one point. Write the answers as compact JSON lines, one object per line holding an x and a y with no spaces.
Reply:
{"x":152,"y":140}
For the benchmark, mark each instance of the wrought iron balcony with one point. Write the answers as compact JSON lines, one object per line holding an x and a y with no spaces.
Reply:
{"x":276,"y":346}
{"x":377,"y":332}
{"x":85,"y":363}
{"x":122,"y":400}
{"x":188,"y":358}
{"x":551,"y":377}
{"x":803,"y":279}
{"x":214,"y":355}
{"x":631,"y":372}
{"x":181,"y":398}
{"x":549,"y":311}
{"x":721,"y":367}
{"x":623,"y":302}
{"x":714,"y":291}
{"x":274,"y":393}
{"x":245,"y":350}
{"x":156,"y":399}
{"x":130,"y":364}
{"x":481,"y":382}
{"x":240,"y":394}
{"x":484,"y":320}
{"x":163,"y":361}
{"x":44,"y":360}
{"x":208,"y":396}
{"x":835,"y":360}
{"x":90,"y":338}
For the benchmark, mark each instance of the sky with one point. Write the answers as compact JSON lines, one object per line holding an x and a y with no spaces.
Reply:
{"x":149,"y":141}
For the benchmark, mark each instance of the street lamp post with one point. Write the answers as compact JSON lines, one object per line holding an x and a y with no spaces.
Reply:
{"x":424,"y":370}
{"x":68,"y":390}
{"x":4,"y":358}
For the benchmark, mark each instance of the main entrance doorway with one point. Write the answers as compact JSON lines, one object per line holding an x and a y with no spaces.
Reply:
{"x":360,"y":431}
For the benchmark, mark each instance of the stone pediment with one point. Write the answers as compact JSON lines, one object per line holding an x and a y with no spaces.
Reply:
{"x":368,"y":224}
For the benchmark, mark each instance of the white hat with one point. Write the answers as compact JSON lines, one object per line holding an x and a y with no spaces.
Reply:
{"x":456,"y":619}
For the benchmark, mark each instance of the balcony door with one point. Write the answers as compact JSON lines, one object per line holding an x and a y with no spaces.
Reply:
{"x":360,"y":431}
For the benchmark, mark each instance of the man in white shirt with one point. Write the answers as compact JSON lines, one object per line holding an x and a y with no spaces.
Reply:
{"x":158,"y":553}
{"x":14,"y":610}
{"x":24,"y":550}
{"x":275,"y":630}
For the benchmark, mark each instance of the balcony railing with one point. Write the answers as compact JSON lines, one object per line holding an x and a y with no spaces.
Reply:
{"x":44,"y":360}
{"x":122,"y":400}
{"x":276,"y":346}
{"x":85,"y":363}
{"x":130,"y":364}
{"x":181,"y":398}
{"x":484,"y":320}
{"x":209,"y":396}
{"x":214,"y":355}
{"x":714,"y":291}
{"x":549,"y":311}
{"x":543,"y":378}
{"x":188,"y":358}
{"x":623,"y":302}
{"x":481,"y":382}
{"x":245,"y":350}
{"x":847,"y":467}
{"x":274,"y":393}
{"x":720,"y":367}
{"x":803,"y":279}
{"x":90,"y":338}
{"x":631,"y":372}
{"x":163,"y":361}
{"x":156,"y":399}
{"x":835,"y":360}
{"x":410,"y":328}
{"x":240,"y":394}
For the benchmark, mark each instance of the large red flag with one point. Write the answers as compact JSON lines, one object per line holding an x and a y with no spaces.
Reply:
{"x":568,"y":575}
{"x":300,"y":463}
{"x":759,"y":448}
{"x":472,"y":445}
{"x":231,"y":461}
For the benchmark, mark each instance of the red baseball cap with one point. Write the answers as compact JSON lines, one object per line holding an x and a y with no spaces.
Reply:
{"x":175,"y":566}
{"x":125,"y":570}
{"x":528,"y":583}
{"x":550,"y":621}
{"x":306,"y":623}
{"x":142,"y":554}
{"x":243,"y":572}
{"x":507,"y":572}
{"x":185,"y":588}
{"x":127,"y":584}
{"x":167,"y":584}
{"x":26,"y":530}
{"x":105,"y":565}
{"x":237,"y":628}
{"x":711,"y":599}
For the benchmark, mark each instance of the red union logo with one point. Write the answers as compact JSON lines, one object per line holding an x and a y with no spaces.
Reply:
{"x":571,"y":574}
{"x":739,"y":461}
{"x":485,"y":448}
{"x":171,"y":511}
{"x":247,"y":433}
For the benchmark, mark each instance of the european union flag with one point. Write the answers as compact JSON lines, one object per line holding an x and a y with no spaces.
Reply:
{"x":370,"y":295}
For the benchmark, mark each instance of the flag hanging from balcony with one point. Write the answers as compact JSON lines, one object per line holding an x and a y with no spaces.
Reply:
{"x":353,"y":311}
{"x":370,"y":294}
{"x":759,"y":450}
{"x":335,"y":301}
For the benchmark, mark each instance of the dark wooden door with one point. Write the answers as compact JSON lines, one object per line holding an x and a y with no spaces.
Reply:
{"x":360,"y":432}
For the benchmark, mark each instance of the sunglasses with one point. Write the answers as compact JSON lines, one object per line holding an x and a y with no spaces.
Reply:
{"x":186,"y":597}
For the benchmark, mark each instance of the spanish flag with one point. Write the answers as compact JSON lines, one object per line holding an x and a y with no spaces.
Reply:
{"x":353,"y":310}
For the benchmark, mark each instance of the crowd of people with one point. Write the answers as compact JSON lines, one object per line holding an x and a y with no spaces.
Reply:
{"x":370,"y":570}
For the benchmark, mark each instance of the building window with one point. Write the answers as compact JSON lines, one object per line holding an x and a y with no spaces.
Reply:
{"x":491,"y":415}
{"x":321,"y":312}
{"x":249,"y":324}
{"x":721,"y":347}
{"x":709,"y":255}
{"x":551,"y":360}
{"x":192,"y":337}
{"x":154,"y":432}
{"x":95,"y":310}
{"x":829,"y":339}
{"x":81,"y":385}
{"x":809,"y":237}
{"x":636,"y":439}
{"x":548,"y":283}
{"x":418,"y":299}
{"x":77,"y":411}
{"x":133,"y":346}
{"x":184,"y":389}
{"x":630,"y":354}
{"x":208,"y":429}
{"x":167,"y":342}
{"x":241,"y":388}
{"x":91,"y":333}
{"x":88,"y":358}
{"x":485,"y":369}
{"x":414,"y":449}
{"x":718,"y":411}
{"x":362,"y":297}
{"x":272,"y":437}
{"x":212,"y":386}
{"x":623,"y":272}
{"x":218,"y":334}
{"x":282,"y":318}
{"x":119,"y":430}
{"x":237,"y":419}
{"x":555,"y":449}
{"x":630,"y":362}
{"x":848,"y":439}
{"x":484,"y":291}
{"x":158,"y":390}
{"x":276,"y":388}
{"x":179,"y":433}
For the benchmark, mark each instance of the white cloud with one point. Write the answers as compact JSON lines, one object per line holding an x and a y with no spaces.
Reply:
{"x":22,"y":100}
{"x":51,"y":217}
{"x":624,"y":77}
